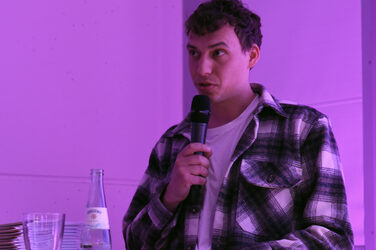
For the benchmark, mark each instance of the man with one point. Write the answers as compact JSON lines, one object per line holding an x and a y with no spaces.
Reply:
{"x":270,"y":173}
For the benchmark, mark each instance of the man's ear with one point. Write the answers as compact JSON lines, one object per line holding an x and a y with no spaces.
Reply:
{"x":254,"y":55}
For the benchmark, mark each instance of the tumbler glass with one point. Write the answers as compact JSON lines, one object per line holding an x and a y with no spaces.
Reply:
{"x":43,"y":231}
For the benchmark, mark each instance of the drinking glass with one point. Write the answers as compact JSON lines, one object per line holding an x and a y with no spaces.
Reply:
{"x":43,"y":231}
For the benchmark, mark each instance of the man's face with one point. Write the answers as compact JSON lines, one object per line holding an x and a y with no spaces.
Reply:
{"x":218,"y":66}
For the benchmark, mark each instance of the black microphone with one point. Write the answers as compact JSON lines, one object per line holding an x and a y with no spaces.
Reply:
{"x":200,"y":113}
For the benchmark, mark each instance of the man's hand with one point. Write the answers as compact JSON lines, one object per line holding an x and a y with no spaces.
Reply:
{"x":189,"y":169}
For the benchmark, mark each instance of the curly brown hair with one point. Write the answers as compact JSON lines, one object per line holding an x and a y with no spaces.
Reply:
{"x":213,"y":15}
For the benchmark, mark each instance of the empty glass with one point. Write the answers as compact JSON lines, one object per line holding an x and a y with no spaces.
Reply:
{"x":43,"y":231}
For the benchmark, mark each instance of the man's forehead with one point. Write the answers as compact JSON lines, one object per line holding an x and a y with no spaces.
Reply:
{"x":223,"y":36}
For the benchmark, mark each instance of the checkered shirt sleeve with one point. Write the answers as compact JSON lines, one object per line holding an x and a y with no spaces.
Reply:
{"x":148,"y":223}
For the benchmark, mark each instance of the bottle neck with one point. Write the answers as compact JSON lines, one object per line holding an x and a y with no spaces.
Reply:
{"x":96,"y":192}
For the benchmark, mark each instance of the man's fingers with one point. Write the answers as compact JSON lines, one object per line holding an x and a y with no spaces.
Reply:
{"x":198,"y":160}
{"x":197,"y":180}
{"x":209,"y":153}
{"x":199,"y":170}
{"x":192,"y":160}
{"x":197,"y":147}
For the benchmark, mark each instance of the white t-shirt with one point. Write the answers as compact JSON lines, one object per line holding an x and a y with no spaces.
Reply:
{"x":222,"y":141}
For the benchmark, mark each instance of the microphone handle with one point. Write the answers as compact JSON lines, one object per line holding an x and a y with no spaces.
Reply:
{"x":198,"y":134}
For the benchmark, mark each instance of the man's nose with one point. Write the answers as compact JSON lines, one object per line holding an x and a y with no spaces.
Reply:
{"x":205,"y":66}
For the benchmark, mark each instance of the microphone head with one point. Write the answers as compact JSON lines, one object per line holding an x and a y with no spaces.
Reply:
{"x":200,"y":109}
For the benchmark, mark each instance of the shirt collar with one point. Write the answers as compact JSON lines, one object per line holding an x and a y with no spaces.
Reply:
{"x":266,"y":100}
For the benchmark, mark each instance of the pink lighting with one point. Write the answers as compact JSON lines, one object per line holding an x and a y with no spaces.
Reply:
{"x":94,"y":84}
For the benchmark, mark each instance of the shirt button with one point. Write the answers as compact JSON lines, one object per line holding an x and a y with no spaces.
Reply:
{"x":270,"y":178}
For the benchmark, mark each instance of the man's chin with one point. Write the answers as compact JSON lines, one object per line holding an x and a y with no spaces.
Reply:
{"x":208,"y":94}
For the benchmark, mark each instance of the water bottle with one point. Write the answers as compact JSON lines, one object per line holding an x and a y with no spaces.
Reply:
{"x":96,"y":232}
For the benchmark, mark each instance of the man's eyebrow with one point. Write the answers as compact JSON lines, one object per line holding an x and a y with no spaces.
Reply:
{"x":218,"y":44}
{"x":190,"y":46}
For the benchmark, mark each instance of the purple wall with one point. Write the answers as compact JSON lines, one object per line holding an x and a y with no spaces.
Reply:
{"x":83,"y":84}
{"x":91,"y":84}
{"x":369,"y":125}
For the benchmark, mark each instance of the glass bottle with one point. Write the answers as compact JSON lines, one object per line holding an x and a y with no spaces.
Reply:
{"x":96,"y":231}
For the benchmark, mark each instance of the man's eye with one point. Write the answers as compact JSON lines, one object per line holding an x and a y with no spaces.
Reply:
{"x":218,"y":53}
{"x":192,"y":52}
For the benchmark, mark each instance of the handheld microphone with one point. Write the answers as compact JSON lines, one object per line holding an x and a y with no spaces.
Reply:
{"x":200,"y":113}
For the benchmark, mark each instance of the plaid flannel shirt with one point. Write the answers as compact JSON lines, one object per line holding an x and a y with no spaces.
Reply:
{"x":284,"y":189}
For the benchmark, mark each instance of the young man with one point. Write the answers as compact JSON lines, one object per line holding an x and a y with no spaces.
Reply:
{"x":270,"y":174}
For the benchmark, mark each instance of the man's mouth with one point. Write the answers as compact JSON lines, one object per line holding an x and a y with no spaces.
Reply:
{"x":205,"y":84}
{"x":205,"y":87}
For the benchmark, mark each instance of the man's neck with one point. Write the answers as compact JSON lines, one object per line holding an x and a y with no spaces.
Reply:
{"x":225,"y":112}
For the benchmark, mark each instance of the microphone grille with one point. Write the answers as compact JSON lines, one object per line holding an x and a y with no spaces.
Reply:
{"x":200,"y":109}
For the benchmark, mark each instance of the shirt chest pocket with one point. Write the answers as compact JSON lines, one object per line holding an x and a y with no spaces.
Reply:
{"x":265,"y":204}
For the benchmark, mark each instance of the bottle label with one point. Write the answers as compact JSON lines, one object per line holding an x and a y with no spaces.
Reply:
{"x":97,"y":218}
